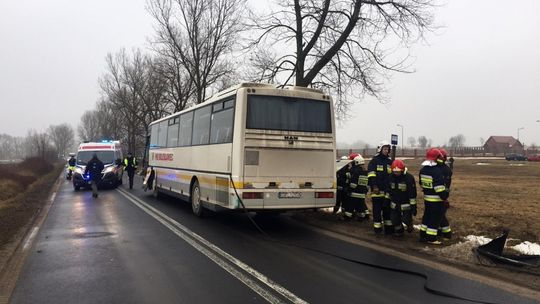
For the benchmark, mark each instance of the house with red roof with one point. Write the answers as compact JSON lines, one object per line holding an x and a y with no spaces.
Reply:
{"x":503,"y":144}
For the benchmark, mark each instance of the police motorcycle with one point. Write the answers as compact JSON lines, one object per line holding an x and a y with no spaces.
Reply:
{"x":70,"y":167}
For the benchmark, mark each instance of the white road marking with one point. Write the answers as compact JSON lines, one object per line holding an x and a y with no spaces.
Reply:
{"x":30,"y":239}
{"x":215,"y":257}
{"x":35,"y":230}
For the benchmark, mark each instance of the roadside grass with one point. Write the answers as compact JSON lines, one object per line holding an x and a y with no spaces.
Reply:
{"x":23,"y":189}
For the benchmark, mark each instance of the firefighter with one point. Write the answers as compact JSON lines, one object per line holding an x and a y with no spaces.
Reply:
{"x":402,"y":197}
{"x":358,"y":188}
{"x":347,"y":206}
{"x":378,"y":172}
{"x":94,"y":167}
{"x":445,"y":230}
{"x":435,"y":194}
{"x":342,"y":184}
{"x":130,"y":165}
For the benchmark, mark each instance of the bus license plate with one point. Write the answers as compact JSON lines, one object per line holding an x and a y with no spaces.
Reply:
{"x":290,"y":195}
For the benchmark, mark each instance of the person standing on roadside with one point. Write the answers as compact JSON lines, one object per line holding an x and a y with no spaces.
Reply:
{"x":94,"y":167}
{"x":445,"y":230}
{"x":378,"y":173}
{"x":342,"y":184}
{"x":435,"y":194}
{"x":358,"y":188}
{"x":130,"y":165}
{"x":402,"y":197}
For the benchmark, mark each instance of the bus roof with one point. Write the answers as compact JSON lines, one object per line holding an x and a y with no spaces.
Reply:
{"x":231,"y":90}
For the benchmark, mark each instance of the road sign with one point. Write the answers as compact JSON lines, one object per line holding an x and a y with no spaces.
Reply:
{"x":394,"y":139}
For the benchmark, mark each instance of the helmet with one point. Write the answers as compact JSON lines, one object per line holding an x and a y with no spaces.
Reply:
{"x":72,"y":154}
{"x":398,"y":165}
{"x":344,"y":157}
{"x":433,"y":154}
{"x":353,"y":155}
{"x":359,"y":160}
{"x":381,"y":145}
{"x":444,"y":154}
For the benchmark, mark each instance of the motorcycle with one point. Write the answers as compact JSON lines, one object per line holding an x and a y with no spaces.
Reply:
{"x":69,"y":172}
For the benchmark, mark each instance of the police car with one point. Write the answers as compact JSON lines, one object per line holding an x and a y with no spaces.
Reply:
{"x":110,"y":153}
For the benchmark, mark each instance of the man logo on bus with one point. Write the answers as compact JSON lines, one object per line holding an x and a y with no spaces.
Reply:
{"x":291,"y":139}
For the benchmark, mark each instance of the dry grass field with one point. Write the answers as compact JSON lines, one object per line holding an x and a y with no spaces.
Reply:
{"x":22,"y":194}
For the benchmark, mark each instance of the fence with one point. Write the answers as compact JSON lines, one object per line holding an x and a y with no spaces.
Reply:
{"x":420,"y":152}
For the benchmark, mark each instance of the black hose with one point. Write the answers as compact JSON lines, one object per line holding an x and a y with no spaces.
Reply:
{"x":377,"y":266}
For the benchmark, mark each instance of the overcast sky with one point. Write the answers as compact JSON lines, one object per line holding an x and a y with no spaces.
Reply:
{"x":479,"y":76}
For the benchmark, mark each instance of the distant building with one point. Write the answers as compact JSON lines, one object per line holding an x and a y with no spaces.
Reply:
{"x":503,"y":144}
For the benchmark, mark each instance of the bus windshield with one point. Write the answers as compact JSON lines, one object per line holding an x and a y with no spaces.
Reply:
{"x":288,"y":114}
{"x":107,"y":157}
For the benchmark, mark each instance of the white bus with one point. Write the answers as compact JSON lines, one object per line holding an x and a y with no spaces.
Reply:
{"x":273,"y":148}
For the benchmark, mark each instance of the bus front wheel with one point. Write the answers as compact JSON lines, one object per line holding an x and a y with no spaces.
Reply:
{"x":196,"y":204}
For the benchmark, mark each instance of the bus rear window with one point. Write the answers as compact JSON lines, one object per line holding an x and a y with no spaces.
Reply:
{"x":288,"y":114}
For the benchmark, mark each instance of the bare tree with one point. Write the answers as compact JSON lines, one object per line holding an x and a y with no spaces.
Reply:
{"x":411,"y":141}
{"x":422,"y":141}
{"x":456,"y":141}
{"x":38,"y":144}
{"x":198,"y":35}
{"x":62,"y":136}
{"x":135,"y":87}
{"x":341,"y":46}
{"x":482,"y":141}
{"x":89,"y":128}
{"x":12,"y":147}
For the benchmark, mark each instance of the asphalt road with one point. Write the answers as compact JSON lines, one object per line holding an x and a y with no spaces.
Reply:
{"x":128,"y":247}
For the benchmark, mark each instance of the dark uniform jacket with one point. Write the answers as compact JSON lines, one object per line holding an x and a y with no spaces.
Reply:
{"x":358,"y":183}
{"x":342,"y":180}
{"x":379,"y":171}
{"x":94,"y":167}
{"x":447,"y":174}
{"x":432,"y":183}
{"x":72,"y":162}
{"x":402,"y":189}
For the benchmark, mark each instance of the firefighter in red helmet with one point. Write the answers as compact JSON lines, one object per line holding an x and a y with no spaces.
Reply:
{"x":435,"y":194}
{"x":445,"y":231}
{"x":402,"y":197}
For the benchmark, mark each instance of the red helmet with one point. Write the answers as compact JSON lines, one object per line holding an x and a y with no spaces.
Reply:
{"x":353,"y":155}
{"x":398,"y":165}
{"x":444,"y":154}
{"x":433,"y":154}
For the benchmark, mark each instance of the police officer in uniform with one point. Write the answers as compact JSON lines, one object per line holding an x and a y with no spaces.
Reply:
{"x":130,"y":165}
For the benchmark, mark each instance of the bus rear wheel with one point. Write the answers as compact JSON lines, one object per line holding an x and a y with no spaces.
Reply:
{"x":195,"y":198}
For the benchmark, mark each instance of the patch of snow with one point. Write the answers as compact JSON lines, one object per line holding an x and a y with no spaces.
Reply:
{"x":481,"y":240}
{"x":483,"y":164}
{"x":528,"y":248}
{"x":517,"y":165}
